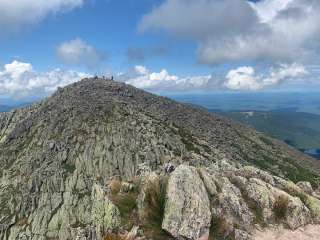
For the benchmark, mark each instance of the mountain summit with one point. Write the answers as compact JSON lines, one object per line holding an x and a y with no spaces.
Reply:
{"x":101,"y":159}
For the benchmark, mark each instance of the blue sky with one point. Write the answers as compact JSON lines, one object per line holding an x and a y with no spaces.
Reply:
{"x":110,"y":26}
{"x":160,"y":45}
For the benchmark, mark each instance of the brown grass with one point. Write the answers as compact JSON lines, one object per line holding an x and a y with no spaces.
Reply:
{"x":117,"y":236}
{"x":280,"y":207}
{"x":155,"y":196}
{"x":220,"y":228}
{"x":23,"y":221}
{"x":115,"y":186}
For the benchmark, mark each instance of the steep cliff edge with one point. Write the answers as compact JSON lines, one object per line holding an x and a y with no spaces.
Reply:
{"x":58,"y":156}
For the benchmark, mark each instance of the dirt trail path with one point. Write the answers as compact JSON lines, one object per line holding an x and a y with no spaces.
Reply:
{"x":310,"y":232}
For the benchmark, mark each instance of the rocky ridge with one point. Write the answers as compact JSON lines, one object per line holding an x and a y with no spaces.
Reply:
{"x":78,"y":166}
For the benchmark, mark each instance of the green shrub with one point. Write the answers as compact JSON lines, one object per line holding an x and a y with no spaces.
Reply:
{"x":155,"y":194}
{"x":69,"y":168}
{"x":126,"y":202}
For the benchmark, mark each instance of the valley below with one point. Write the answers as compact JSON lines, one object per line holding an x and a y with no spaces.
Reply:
{"x":293,"y":118}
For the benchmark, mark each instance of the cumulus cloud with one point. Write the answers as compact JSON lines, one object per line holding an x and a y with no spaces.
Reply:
{"x":245,"y":78}
{"x":78,"y":52}
{"x":18,"y":13}
{"x":272,"y":30}
{"x":240,"y":79}
{"x":19,"y":80}
{"x":268,"y":10}
{"x":142,"y":77}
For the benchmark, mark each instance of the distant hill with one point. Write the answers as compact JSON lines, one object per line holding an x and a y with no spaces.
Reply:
{"x":15,"y":105}
{"x":301,"y":130}
{"x":4,"y":108}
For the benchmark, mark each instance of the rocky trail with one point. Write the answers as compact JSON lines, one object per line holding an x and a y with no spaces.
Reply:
{"x":309,"y":232}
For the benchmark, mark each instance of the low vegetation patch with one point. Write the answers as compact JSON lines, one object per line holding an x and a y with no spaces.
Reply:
{"x":22,"y":221}
{"x":115,"y":186}
{"x":280,"y":207}
{"x":117,"y":236}
{"x":152,"y":213}
{"x":266,"y":140}
{"x":297,"y":173}
{"x":188,"y":141}
{"x":220,"y":229}
{"x":155,"y":196}
{"x":69,"y":168}
{"x":126,"y":202}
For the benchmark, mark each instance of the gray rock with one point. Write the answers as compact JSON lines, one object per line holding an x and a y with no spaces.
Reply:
{"x":242,"y":235}
{"x":169,"y":168}
{"x":297,"y":214}
{"x":306,"y":187}
{"x":187,"y":209}
{"x":104,"y":214}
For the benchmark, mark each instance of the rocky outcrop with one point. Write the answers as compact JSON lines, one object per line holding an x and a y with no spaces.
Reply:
{"x":105,"y":216}
{"x":238,"y":202}
{"x":187,"y":210}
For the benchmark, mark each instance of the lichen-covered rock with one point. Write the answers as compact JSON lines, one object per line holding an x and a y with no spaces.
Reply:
{"x":306,"y":187}
{"x":297,"y":214}
{"x":209,"y":180}
{"x":228,"y":201}
{"x":314,"y":206}
{"x":104,"y":214}
{"x":265,"y":196}
{"x":252,"y":172}
{"x":242,"y":235}
{"x":260,"y":193}
{"x":79,"y":234}
{"x":187,"y":209}
{"x":233,"y":206}
{"x":311,"y":202}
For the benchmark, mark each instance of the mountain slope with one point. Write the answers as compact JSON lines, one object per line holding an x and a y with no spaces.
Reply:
{"x":53,"y":154}
{"x":299,"y":129}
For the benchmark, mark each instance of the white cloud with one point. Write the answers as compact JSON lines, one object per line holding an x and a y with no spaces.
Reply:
{"x":268,"y":10}
{"x":78,"y":52}
{"x":239,"y":79}
{"x":242,"y":78}
{"x":200,"y":19}
{"x":272,"y":30}
{"x":14,"y":14}
{"x":19,"y":80}
{"x":245,"y":78}
{"x":142,"y":77}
